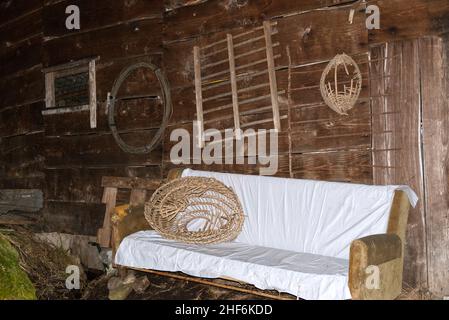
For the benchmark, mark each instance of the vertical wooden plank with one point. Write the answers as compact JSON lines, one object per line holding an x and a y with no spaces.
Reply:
{"x":92,"y":94}
{"x":272,"y":75}
{"x":49,"y":89}
{"x":235,"y":98}
{"x":408,"y":102}
{"x":396,"y":123}
{"x":433,"y":53}
{"x":198,"y":95}
{"x":104,"y":234}
{"x":377,"y":93}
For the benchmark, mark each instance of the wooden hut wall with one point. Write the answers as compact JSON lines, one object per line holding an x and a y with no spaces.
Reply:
{"x":390,"y":137}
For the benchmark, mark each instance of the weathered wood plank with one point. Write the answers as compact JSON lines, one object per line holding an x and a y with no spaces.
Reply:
{"x":73,"y":218}
{"x":401,"y":20}
{"x":97,"y":150}
{"x":23,"y":200}
{"x":21,"y":120}
{"x":210,"y":17}
{"x":132,"y":38}
{"x":21,"y":30}
{"x":400,"y":134}
{"x":131,"y":183}
{"x":21,"y":158}
{"x":11,"y":10}
{"x":434,"y":65}
{"x":85,"y":184}
{"x":97,"y":15}
{"x":104,"y":234}
{"x":132,"y":115}
{"x":21,"y":57}
{"x":320,"y":35}
{"x":26,"y":87}
{"x":342,"y":166}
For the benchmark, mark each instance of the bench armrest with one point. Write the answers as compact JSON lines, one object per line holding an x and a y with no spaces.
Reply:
{"x":126,"y":221}
{"x":375,"y":267}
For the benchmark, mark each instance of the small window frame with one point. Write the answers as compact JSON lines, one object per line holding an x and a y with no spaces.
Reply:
{"x":72,"y":68}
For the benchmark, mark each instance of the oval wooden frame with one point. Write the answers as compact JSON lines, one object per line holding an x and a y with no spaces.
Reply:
{"x":166,"y":97}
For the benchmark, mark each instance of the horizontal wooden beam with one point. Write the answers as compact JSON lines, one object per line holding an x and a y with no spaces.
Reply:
{"x":130,"y":183}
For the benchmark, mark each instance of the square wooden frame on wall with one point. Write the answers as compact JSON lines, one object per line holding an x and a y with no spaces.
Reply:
{"x":85,"y":65}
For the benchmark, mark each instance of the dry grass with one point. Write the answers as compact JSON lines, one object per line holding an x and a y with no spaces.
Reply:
{"x":45,"y":264}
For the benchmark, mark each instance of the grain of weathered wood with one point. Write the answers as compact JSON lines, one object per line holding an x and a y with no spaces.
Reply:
{"x":320,"y":35}
{"x":98,"y":15}
{"x":84,"y":184}
{"x":72,"y":217}
{"x":97,"y":150}
{"x":23,"y":200}
{"x":105,"y":233}
{"x":198,"y":95}
{"x":131,"y":183}
{"x":434,"y":64}
{"x":92,"y":94}
{"x":402,"y":93}
{"x":21,"y":120}
{"x":26,"y":87}
{"x":344,"y":166}
{"x":11,"y":10}
{"x":20,"y":30}
{"x":401,"y":20}
{"x":233,"y":80}
{"x":272,"y":75}
{"x":21,"y":57}
{"x":133,"y":115}
{"x":132,"y":38}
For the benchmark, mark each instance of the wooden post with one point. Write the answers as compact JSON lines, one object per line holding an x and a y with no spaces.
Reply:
{"x":434,"y":57}
{"x":92,"y":94}
{"x":50,"y":90}
{"x":235,"y":97}
{"x":272,"y":75}
{"x":199,"y":95}
{"x":104,"y":234}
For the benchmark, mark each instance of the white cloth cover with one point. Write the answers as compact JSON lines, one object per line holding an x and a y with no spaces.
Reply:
{"x":301,"y":274}
{"x":308,"y":216}
{"x":295,"y":239}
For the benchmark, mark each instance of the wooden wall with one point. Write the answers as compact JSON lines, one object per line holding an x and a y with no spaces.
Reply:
{"x":21,"y":95}
{"x":401,"y":93}
{"x":76,"y":156}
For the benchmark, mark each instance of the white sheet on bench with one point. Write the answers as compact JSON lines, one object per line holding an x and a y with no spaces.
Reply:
{"x":295,"y":239}
{"x":307,"y":276}
{"x":308,"y":216}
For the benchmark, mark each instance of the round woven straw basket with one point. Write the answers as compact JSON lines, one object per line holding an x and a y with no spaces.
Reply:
{"x":341,"y":94}
{"x":195,"y":210}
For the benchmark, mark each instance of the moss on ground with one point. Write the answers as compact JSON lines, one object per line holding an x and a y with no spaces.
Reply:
{"x":14,"y":282}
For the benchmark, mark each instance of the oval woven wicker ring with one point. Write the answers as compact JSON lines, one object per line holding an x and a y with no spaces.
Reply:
{"x":195,"y":210}
{"x":341,"y":94}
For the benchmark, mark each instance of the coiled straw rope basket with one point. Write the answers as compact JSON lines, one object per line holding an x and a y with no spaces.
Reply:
{"x":195,"y":210}
{"x":341,"y":96}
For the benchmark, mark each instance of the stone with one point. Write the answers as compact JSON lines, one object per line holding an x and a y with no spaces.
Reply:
{"x":141,"y":285}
